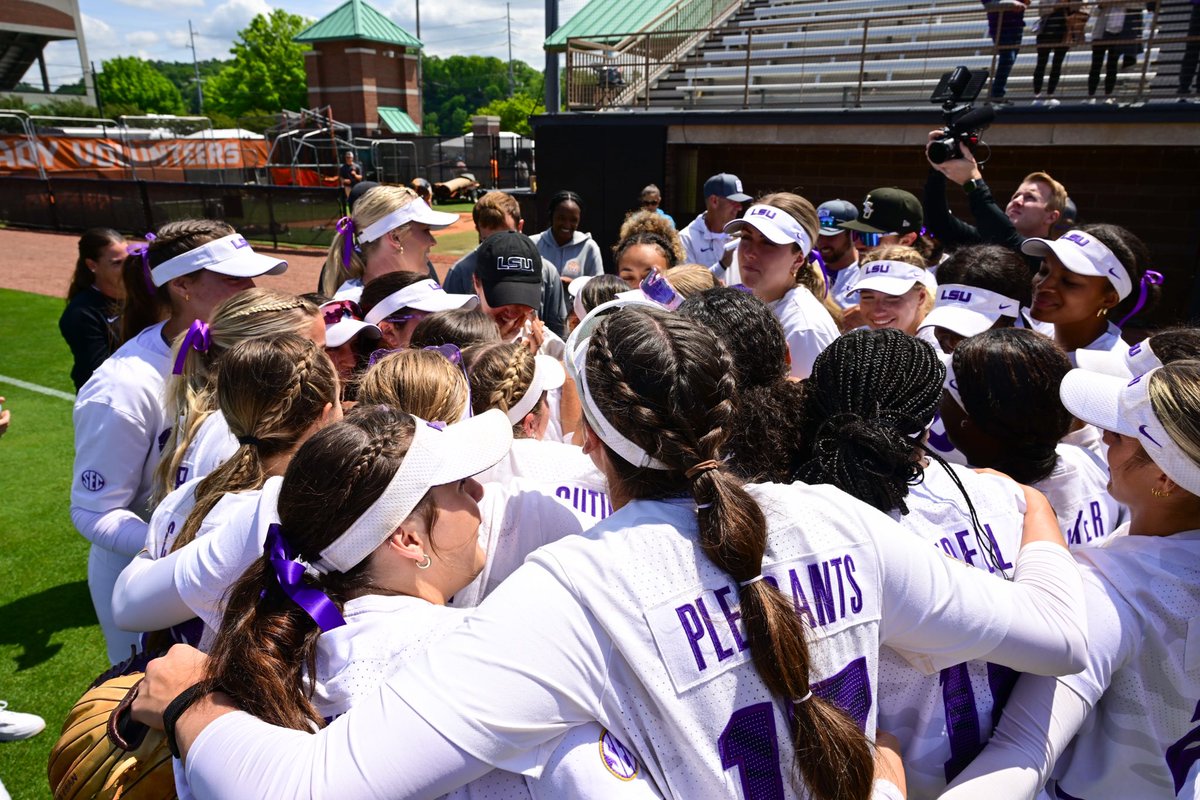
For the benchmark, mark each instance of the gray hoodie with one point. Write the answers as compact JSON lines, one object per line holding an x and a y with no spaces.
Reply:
{"x":580,"y":256}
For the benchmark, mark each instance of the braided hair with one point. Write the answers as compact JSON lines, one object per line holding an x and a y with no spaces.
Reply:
{"x":668,"y":384}
{"x":500,"y":374}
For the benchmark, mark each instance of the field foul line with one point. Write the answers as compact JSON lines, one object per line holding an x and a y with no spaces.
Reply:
{"x":33,"y":387}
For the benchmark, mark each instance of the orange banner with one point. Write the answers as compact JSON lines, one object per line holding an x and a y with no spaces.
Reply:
{"x":72,"y":154}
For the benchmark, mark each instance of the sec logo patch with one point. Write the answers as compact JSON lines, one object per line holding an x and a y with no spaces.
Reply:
{"x":617,"y":758}
{"x":92,"y":481}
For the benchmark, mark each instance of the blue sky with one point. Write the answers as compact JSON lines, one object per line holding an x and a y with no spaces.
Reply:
{"x":158,"y":29}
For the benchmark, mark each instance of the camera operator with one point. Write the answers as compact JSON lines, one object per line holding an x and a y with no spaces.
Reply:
{"x":1032,"y":212}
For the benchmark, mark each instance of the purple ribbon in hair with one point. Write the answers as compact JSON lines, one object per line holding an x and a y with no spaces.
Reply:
{"x":197,"y":338}
{"x":345,"y":226}
{"x":143,"y":251}
{"x":290,"y":574}
{"x":1149,"y":278}
{"x":815,"y":258}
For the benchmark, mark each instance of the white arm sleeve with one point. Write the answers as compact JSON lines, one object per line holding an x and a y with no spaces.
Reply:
{"x":145,"y":597}
{"x":118,"y":529}
{"x":938,"y":612}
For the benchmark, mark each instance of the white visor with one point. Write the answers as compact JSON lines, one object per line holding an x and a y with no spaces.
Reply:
{"x":548,"y":374}
{"x":426,"y":295}
{"x":951,"y":383}
{"x":1137,"y":360}
{"x":968,"y":310}
{"x":416,"y":211}
{"x":347,"y":326}
{"x":1115,"y":404}
{"x":775,"y":224}
{"x":575,"y":289}
{"x":230,"y":255}
{"x":439,"y":454}
{"x":1084,"y":254}
{"x":894,"y":278}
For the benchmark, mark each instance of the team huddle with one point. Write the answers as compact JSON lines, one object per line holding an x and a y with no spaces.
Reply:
{"x":792,"y":505}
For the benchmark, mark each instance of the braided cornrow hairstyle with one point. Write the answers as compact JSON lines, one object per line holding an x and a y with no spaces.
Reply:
{"x":500,"y":373}
{"x":868,"y":401}
{"x":267,"y":643}
{"x":144,"y":307}
{"x":271,"y":390}
{"x":667,"y":384}
{"x":766,"y":435}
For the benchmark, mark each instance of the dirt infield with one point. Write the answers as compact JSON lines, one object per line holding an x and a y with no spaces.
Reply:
{"x":42,"y":262}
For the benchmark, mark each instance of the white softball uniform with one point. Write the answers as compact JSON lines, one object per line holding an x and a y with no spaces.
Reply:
{"x":1131,"y":717}
{"x":1110,"y":340}
{"x":544,"y":461}
{"x":211,"y":447}
{"x":944,"y":720}
{"x":631,"y":626}
{"x":807,"y":327}
{"x":1078,"y":491}
{"x":120,"y":429}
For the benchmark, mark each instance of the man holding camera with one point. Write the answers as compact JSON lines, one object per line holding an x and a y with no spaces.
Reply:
{"x":1035,"y":206}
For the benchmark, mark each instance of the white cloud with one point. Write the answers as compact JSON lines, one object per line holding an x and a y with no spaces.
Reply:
{"x":156,"y":5}
{"x":230,"y":17}
{"x":142,"y":38}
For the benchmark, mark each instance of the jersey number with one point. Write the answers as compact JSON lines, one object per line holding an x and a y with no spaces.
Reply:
{"x":751,"y":744}
{"x":962,"y":718}
{"x":1184,"y":753}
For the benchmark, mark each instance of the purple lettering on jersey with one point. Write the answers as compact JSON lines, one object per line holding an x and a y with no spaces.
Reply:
{"x":836,"y":563}
{"x":750,"y":744}
{"x":1074,"y":536}
{"x":850,"y":690}
{"x":690,"y":621}
{"x":181,"y":476}
{"x":92,"y":481}
{"x":987,"y":529}
{"x":947,"y":547}
{"x":1182,"y":755}
{"x":722,"y":651}
{"x":1001,"y":681}
{"x":962,"y":722}
{"x":799,"y":600}
{"x":966,"y":551}
{"x":856,"y":602}
{"x":1097,"y":521}
{"x":167,"y":539}
{"x":822,"y":593}
{"x":162,"y":439}
{"x":731,"y":616}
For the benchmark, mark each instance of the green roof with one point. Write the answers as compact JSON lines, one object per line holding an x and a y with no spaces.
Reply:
{"x":397,"y":121}
{"x":605,"y":19}
{"x":355,"y":19}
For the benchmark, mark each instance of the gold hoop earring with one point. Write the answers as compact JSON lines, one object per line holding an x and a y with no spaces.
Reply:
{"x":1102,"y":313}
{"x":425,"y":564}
{"x":1159,"y":492}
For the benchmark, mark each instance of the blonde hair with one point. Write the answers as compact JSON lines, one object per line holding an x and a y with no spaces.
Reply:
{"x":905,"y":255}
{"x":691,"y":279}
{"x":501,"y":373}
{"x":1175,"y":400}
{"x":373,"y":206}
{"x":271,"y":390}
{"x":1058,"y":192}
{"x":190,"y":397}
{"x":652,"y":222}
{"x":420,"y":382}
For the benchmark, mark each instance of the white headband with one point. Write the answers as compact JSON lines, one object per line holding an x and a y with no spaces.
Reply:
{"x":230,"y":255}
{"x":777,"y":225}
{"x":548,"y":374}
{"x":894,"y":278}
{"x":623,"y":447}
{"x":416,"y":210}
{"x":426,"y":295}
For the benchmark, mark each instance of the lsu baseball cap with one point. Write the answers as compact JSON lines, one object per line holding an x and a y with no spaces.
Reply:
{"x":775,"y":224}
{"x":888,"y":211}
{"x":894,"y":278}
{"x":1116,"y":404}
{"x":426,"y":295}
{"x":509,"y":268}
{"x":438,"y":454}
{"x":230,"y":255}
{"x":968,"y":310}
{"x":726,"y":185}
{"x":417,"y":210}
{"x":1084,"y":254}
{"x":833,"y":213}
{"x":343,"y":321}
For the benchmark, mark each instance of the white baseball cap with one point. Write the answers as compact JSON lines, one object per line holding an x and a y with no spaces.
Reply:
{"x":230,"y":255}
{"x":775,"y":224}
{"x":548,"y":373}
{"x":1115,"y":404}
{"x":438,"y":454}
{"x":894,"y":278}
{"x":427,"y":295}
{"x":416,"y":210}
{"x":968,"y":310}
{"x":342,"y":323}
{"x":1137,"y":360}
{"x":1084,"y":254}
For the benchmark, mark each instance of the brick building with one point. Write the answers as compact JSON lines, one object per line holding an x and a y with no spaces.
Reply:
{"x":26,"y":27}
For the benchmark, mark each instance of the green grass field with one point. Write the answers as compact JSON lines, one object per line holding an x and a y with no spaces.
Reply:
{"x":50,"y":645}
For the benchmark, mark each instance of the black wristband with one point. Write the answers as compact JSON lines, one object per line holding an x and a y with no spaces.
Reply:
{"x":973,"y":185}
{"x":175,"y":709}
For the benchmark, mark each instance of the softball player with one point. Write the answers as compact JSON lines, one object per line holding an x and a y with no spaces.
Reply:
{"x":121,"y":424}
{"x":1126,"y":726}
{"x":676,"y":622}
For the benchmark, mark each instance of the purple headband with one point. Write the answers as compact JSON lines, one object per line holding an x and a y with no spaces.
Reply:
{"x":815,"y":257}
{"x":197,"y":338}
{"x":290,"y":574}
{"x":1149,"y":278}
{"x":345,"y":226}
{"x":143,"y":251}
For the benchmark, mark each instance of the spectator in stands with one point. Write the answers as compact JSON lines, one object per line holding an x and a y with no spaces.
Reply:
{"x":890,"y":216}
{"x":1054,"y":37}
{"x":1191,"y":53}
{"x":1114,"y":36}
{"x":494,"y":213}
{"x":651,"y":200}
{"x":569,"y":249}
{"x":1006,"y":25}
{"x":94,"y":302}
{"x":837,"y":248}
{"x":350,"y":171}
{"x":705,"y":238}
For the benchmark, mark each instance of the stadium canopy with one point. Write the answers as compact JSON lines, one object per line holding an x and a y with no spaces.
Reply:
{"x":606,"y":20}
{"x":357,"y":20}
{"x":397,"y":121}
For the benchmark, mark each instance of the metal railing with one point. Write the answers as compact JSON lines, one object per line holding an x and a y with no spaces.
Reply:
{"x":830,"y":55}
